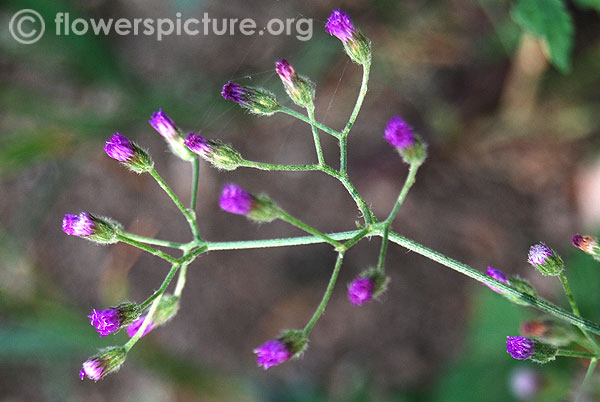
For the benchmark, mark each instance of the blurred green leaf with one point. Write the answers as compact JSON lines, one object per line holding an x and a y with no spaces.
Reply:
{"x":548,"y":20}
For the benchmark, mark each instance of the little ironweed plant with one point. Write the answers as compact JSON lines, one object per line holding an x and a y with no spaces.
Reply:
{"x":559,"y":333}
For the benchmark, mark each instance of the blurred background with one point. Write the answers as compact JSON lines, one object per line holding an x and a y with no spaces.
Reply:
{"x":513,"y":160}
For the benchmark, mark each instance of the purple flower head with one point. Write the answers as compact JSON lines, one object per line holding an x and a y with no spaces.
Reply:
{"x":340,"y":25}
{"x":285,"y":70}
{"x":578,"y":240}
{"x":93,"y":368}
{"x":360,"y":291}
{"x":78,"y":225}
{"x":398,"y":133}
{"x":519,"y":347}
{"x":119,"y":148}
{"x":499,"y":275}
{"x":133,"y":328}
{"x":272,"y":353}
{"x":234,"y":92}
{"x":197,"y":144}
{"x":236,"y":200}
{"x":163,"y":124}
{"x":539,"y":254}
{"x":105,"y":321}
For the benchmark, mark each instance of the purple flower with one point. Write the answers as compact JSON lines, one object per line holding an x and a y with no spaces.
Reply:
{"x":163,"y":124}
{"x":499,"y":275}
{"x":272,"y":353}
{"x":93,"y":368}
{"x":133,"y":328}
{"x":197,"y":144}
{"x":398,"y":133}
{"x":105,"y":321}
{"x":539,"y":254}
{"x":78,"y":225}
{"x":340,"y":25}
{"x":236,"y":200}
{"x":119,"y":148}
{"x":519,"y":347}
{"x":285,"y":71}
{"x":360,"y":291}
{"x":234,"y":92}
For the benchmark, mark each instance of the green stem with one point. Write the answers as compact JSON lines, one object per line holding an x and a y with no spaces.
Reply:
{"x":410,"y":180}
{"x":326,"y":296}
{"x":195,"y":175}
{"x":565,"y":284}
{"x":276,"y":167}
{"x":359,"y":236}
{"x":574,"y":353}
{"x":540,"y":304}
{"x":149,"y":240}
{"x":155,"y":300}
{"x":186,"y":213}
{"x":181,"y":279}
{"x":359,"y":101}
{"x":311,"y":117}
{"x":587,"y":377}
{"x":309,"y":229}
{"x":142,"y":246}
{"x":360,"y":202}
{"x":305,"y":119}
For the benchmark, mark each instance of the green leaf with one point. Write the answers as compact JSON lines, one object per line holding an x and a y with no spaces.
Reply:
{"x":549,"y":21}
{"x":595,"y":4}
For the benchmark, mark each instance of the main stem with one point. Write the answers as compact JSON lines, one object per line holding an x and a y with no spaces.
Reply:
{"x":326,"y":296}
{"x":186,"y":213}
{"x":309,"y":229}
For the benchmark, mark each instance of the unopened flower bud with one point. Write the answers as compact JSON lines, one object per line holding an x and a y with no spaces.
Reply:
{"x":236,"y":200}
{"x":128,"y":153}
{"x":299,"y":88}
{"x":166,"y":127}
{"x":545,"y":260}
{"x":109,"y":321}
{"x":498,"y":275}
{"x":551,"y":332}
{"x":220,"y":155}
{"x":88,"y":226}
{"x":276,"y":351}
{"x":367,"y":286}
{"x":356,"y":45}
{"x":587,"y":244}
{"x":521,"y":285}
{"x":409,"y":145}
{"x":522,"y":348}
{"x":167,"y":309}
{"x":255,"y":100}
{"x":105,"y":362}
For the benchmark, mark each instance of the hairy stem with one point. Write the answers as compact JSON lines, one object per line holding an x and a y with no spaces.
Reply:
{"x":154,"y":299}
{"x":186,"y":213}
{"x":311,"y":116}
{"x":195,"y":175}
{"x":575,"y":309}
{"x":575,"y":353}
{"x":148,"y":249}
{"x":305,"y":119}
{"x":276,"y":167}
{"x":309,"y":229}
{"x":326,"y":296}
{"x":155,"y":242}
{"x":181,"y":279}
{"x":410,"y":180}
{"x":360,"y":202}
{"x":359,"y":101}
{"x":586,"y":379}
